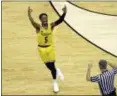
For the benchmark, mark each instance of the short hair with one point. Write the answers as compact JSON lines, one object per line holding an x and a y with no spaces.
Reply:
{"x":42,"y":15}
{"x":102,"y":64}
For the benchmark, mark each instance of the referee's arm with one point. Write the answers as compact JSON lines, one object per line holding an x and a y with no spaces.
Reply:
{"x":113,"y":66}
{"x":88,"y":75}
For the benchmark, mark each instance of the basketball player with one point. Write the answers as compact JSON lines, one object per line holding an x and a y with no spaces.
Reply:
{"x":44,"y":32}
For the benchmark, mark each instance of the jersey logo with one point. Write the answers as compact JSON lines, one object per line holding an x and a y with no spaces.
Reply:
{"x":45,"y":33}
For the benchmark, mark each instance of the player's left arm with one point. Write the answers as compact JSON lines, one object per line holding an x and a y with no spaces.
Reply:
{"x":60,"y":20}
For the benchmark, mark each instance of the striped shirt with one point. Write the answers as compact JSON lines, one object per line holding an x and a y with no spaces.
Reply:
{"x":105,"y":81}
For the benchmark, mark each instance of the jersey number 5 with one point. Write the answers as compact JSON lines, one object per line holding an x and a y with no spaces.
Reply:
{"x":46,"y":39}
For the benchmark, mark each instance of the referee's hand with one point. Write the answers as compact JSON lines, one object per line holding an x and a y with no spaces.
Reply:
{"x":30,"y":10}
{"x":90,"y":65}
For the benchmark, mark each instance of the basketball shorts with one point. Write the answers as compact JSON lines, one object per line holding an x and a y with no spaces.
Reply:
{"x":47,"y":54}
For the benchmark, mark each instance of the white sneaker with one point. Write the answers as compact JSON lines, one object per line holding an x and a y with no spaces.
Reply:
{"x":60,"y":74}
{"x":55,"y":86}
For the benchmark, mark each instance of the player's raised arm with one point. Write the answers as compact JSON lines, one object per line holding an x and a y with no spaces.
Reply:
{"x":35,"y":25}
{"x":61,"y":19}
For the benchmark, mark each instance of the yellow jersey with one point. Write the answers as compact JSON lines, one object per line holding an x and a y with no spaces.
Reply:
{"x":45,"y":36}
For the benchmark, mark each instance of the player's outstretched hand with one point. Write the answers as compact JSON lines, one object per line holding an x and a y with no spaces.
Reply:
{"x":64,"y":9}
{"x":29,"y":10}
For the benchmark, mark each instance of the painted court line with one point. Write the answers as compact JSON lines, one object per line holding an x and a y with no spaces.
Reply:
{"x":98,"y":29}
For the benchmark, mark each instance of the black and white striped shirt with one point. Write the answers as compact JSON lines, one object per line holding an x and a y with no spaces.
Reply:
{"x":105,"y":81}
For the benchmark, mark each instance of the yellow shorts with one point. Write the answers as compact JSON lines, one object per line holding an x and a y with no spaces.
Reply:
{"x":47,"y":54}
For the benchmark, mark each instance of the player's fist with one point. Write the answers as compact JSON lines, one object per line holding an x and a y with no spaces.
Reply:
{"x":90,"y":65}
{"x":64,"y":9}
{"x":30,"y":10}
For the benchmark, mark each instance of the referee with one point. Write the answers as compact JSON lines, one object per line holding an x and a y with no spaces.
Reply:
{"x":105,"y":79}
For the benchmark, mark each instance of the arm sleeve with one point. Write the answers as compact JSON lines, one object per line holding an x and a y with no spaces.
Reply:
{"x":114,"y":70}
{"x":95,"y":78}
{"x":60,"y":19}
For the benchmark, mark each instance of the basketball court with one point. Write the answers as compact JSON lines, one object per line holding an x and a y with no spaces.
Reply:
{"x":23,"y":72}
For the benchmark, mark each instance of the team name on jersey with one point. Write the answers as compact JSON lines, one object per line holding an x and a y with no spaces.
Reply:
{"x":45,"y":34}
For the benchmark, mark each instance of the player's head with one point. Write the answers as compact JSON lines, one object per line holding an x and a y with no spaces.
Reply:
{"x":43,"y":18}
{"x":102,"y":64}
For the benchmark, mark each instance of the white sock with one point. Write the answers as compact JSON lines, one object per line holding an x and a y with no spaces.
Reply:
{"x":54,"y":81}
{"x":55,"y":86}
{"x":60,"y":74}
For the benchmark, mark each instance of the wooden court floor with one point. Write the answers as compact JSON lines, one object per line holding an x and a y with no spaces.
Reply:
{"x":23,"y":72}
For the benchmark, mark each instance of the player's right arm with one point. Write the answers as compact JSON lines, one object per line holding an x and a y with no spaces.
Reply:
{"x":35,"y":25}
